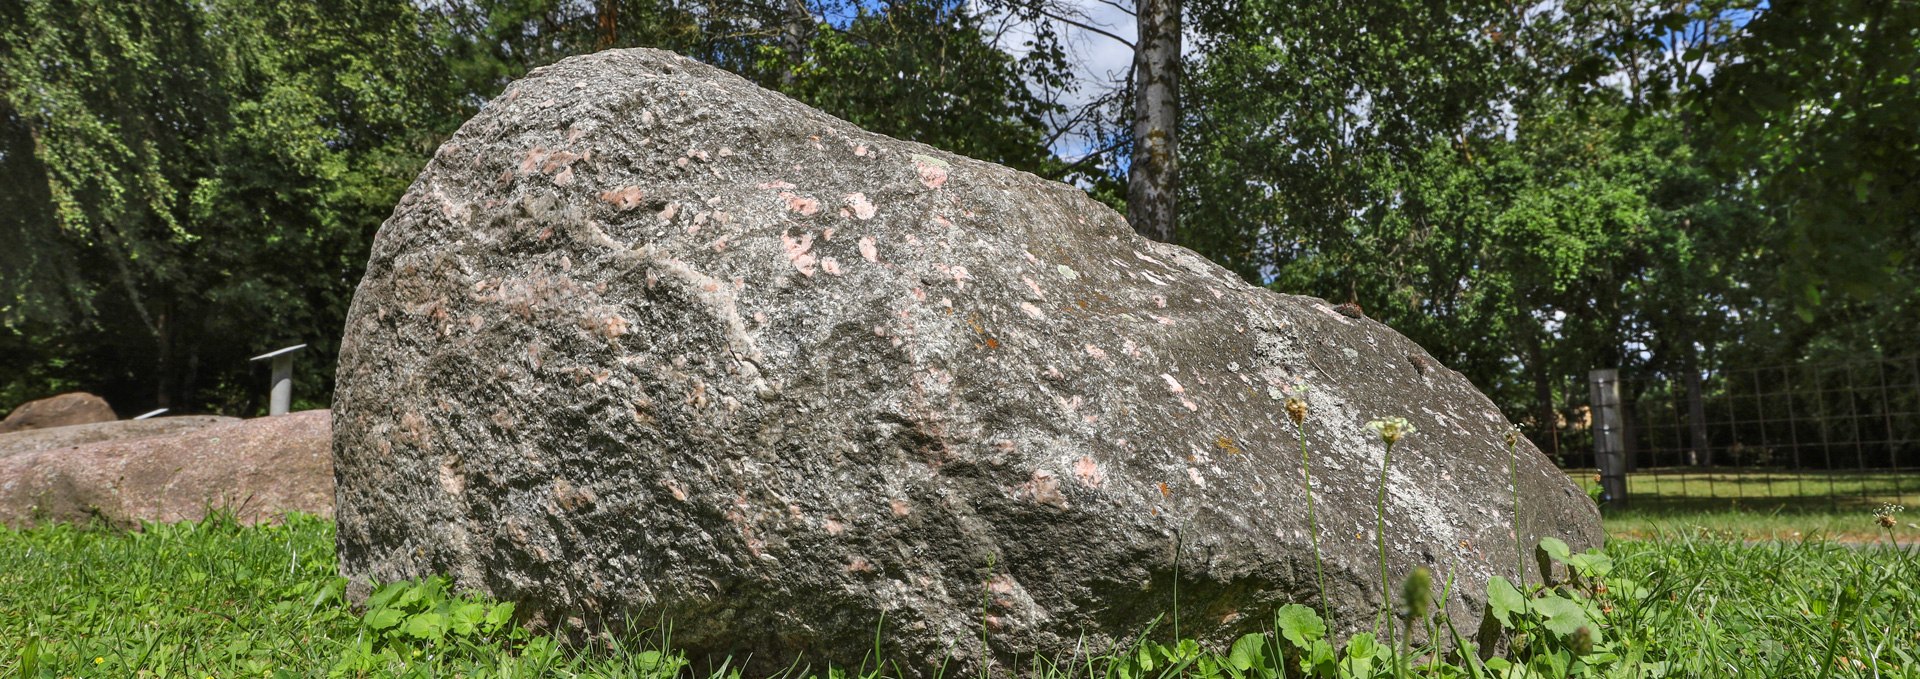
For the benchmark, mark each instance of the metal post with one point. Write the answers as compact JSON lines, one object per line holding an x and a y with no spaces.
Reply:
{"x":282,"y":393}
{"x":282,"y":385}
{"x":1609,"y":447}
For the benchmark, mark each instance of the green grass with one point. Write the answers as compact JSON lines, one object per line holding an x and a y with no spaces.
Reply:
{"x":218,"y":599}
{"x":1688,"y":490}
{"x":1748,"y":505}
{"x":1845,"y":526}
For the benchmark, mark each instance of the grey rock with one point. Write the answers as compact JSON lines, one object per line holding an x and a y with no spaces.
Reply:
{"x":646,"y":342}
{"x":67,"y":409}
{"x":117,"y":430}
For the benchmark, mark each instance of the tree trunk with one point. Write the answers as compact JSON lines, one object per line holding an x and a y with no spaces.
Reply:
{"x":1697,"y":409}
{"x":795,"y":32}
{"x":1630,"y":393}
{"x":607,"y":16}
{"x":190,"y":385}
{"x":1153,"y":178}
{"x":1546,"y":417}
{"x":163,"y":362}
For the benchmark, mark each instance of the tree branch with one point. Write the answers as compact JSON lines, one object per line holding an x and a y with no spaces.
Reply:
{"x":1087,"y":28}
{"x":1091,"y":112}
{"x":1089,"y":157}
{"x":120,"y":256}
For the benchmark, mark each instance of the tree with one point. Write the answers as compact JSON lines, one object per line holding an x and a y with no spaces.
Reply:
{"x":1822,"y":116}
{"x":1137,"y":120}
{"x":966,"y":96}
{"x":1153,"y":171}
{"x":487,"y":44}
{"x":203,"y":180}
{"x":1476,"y":176}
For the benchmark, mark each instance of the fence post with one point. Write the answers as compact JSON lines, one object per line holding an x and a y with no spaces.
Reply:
{"x":1609,"y":446}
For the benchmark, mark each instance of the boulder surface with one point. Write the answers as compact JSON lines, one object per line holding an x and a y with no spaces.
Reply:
{"x":58,"y":411}
{"x":117,"y":430}
{"x":260,"y":469}
{"x":645,"y":342}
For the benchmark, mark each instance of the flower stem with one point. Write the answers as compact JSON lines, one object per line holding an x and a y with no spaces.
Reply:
{"x":1380,"y":535}
{"x":1519,"y":532}
{"x":1313,"y":525}
{"x":1519,"y":536}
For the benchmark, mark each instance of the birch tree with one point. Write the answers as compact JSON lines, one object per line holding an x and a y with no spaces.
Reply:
{"x":1153,"y":173}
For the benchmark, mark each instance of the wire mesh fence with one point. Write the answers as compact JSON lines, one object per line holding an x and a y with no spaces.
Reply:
{"x":1811,"y":436}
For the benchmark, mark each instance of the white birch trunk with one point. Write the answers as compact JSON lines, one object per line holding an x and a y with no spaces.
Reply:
{"x":1153,"y":179}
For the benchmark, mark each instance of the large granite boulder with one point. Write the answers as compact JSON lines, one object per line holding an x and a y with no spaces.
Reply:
{"x":64,"y":410}
{"x":260,"y":469}
{"x":646,"y":342}
{"x":117,"y":430}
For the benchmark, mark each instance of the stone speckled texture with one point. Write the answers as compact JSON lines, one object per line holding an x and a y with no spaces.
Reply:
{"x":647,"y":342}
{"x":58,"y":411}
{"x":118,"y":430}
{"x":260,"y":468}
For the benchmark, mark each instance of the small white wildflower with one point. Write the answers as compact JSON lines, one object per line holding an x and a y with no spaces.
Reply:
{"x":1884,"y":515}
{"x":1391,"y":429}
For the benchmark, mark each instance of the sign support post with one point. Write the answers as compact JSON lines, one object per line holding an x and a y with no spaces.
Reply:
{"x":281,"y":389}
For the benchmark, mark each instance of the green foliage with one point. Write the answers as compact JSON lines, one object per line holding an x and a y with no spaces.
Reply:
{"x":965,"y":95}
{"x":1299,"y":625}
{"x":200,"y":181}
{"x":1535,"y":192}
{"x":489,"y":43}
{"x":1555,"y":548}
{"x":406,"y":620}
{"x":1824,"y":117}
{"x":1283,"y":152}
{"x":216,"y":598}
{"x":1504,"y":601}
